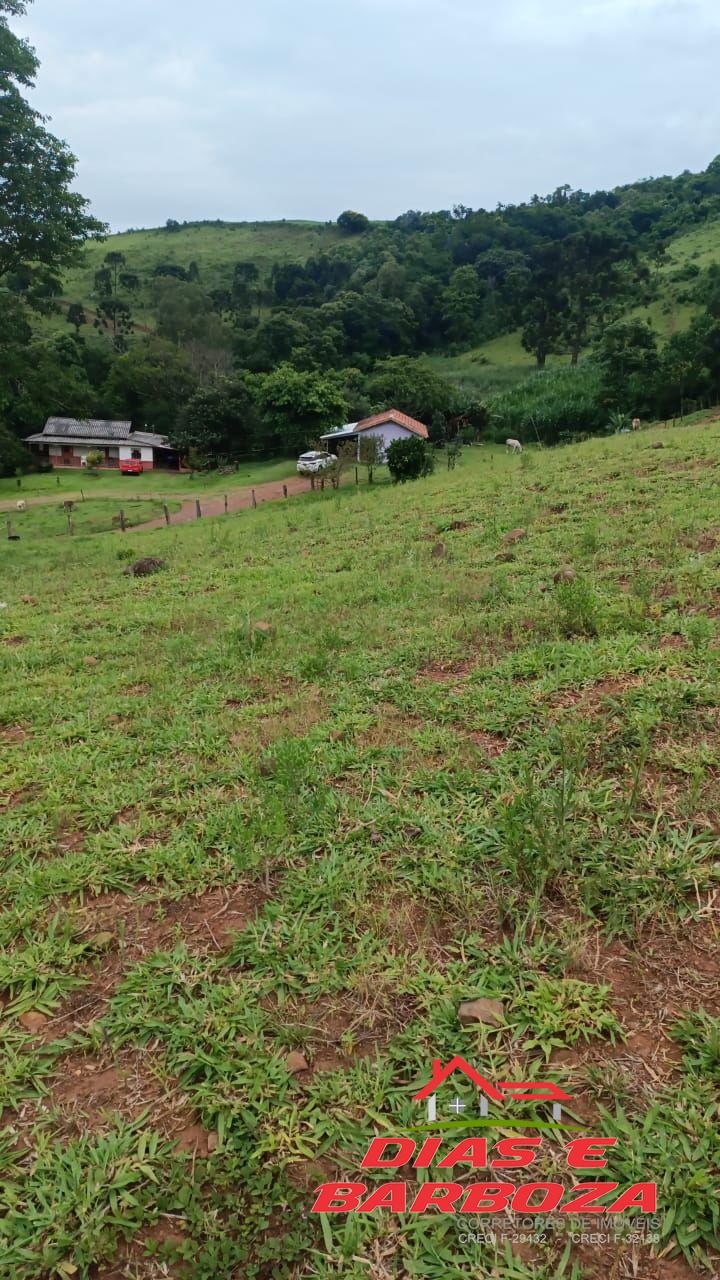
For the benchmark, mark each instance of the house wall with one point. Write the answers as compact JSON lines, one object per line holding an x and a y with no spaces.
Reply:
{"x":146,"y":452}
{"x":389,"y":431}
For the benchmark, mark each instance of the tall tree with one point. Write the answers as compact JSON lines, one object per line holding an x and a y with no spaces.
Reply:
{"x":42,"y":221}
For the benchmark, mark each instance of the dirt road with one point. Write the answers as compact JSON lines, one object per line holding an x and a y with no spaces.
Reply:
{"x":237,"y":501}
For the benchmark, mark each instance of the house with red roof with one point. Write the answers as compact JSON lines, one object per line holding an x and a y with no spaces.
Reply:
{"x":389,"y":425}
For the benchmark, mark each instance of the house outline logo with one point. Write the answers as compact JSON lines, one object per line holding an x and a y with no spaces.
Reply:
{"x":518,"y":1091}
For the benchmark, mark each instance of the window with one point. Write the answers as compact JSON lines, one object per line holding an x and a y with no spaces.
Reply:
{"x":136,"y":454}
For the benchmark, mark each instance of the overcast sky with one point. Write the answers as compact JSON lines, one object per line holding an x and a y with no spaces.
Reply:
{"x":245,"y":109}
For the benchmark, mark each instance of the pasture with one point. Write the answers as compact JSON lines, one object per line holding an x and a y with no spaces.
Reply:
{"x":270,"y":815}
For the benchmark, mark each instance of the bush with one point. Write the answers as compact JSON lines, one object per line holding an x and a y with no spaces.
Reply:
{"x":409,"y":459}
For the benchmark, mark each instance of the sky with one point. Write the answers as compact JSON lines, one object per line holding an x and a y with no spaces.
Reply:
{"x":263,"y":109}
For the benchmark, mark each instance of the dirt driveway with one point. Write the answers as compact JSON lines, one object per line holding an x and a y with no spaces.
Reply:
{"x":237,"y":501}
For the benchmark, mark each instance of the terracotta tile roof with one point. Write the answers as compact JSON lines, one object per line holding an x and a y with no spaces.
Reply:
{"x":400,"y":420}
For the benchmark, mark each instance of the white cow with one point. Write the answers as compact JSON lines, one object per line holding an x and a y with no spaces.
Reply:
{"x":21,"y":505}
{"x":514,"y":445}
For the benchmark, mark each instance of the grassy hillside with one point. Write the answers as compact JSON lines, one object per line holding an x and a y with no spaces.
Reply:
{"x":499,"y":364}
{"x":434,"y":774}
{"x":215,"y":248}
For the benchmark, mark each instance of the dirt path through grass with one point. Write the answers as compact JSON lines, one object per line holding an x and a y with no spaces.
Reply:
{"x":236,"y":501}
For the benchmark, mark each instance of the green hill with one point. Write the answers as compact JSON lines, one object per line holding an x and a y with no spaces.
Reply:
{"x":214,"y":247}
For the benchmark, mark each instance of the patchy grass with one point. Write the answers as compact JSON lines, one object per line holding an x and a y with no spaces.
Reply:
{"x":428,"y":778}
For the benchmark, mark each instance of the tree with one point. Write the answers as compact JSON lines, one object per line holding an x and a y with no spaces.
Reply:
{"x":43,"y":222}
{"x":150,"y":383}
{"x":353,"y":223}
{"x":408,"y":459}
{"x":297,"y":405}
{"x":172,"y":224}
{"x":599,"y":269}
{"x":218,"y":421}
{"x":13,"y":457}
{"x":413,"y":387}
{"x":627,"y":357}
{"x":114,"y":316}
{"x":462,"y":305}
{"x":76,"y":316}
{"x":371,"y":453}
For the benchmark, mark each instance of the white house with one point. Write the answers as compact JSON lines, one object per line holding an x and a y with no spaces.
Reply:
{"x":66,"y":442}
{"x":390,"y":425}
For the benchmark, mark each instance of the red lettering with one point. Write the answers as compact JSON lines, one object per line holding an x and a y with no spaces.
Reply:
{"x":641,"y":1195}
{"x":488,"y":1197}
{"x":552,"y":1194}
{"x":471,"y":1151}
{"x":427,"y":1153}
{"x":587,"y":1153}
{"x":373,"y":1158}
{"x":391,"y":1195}
{"x":437,"y":1195}
{"x":586,"y":1196}
{"x":338,"y":1197}
{"x":516,"y":1153}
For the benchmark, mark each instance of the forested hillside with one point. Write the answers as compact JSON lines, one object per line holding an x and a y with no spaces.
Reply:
{"x":249,"y":338}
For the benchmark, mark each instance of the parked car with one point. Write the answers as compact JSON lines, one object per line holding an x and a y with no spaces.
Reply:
{"x":316,"y":460}
{"x":131,"y":467}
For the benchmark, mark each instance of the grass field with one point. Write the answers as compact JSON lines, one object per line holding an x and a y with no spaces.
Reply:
{"x":71,"y":483}
{"x":433,"y":774}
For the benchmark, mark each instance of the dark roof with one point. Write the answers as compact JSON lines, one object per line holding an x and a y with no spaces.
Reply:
{"x":89,"y":429}
{"x":95,"y":431}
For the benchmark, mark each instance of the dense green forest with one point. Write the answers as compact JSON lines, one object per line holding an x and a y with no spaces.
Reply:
{"x":242,"y":339}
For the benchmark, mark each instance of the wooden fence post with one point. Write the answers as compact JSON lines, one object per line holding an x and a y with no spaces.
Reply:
{"x":166,"y":512}
{"x":254,"y":499}
{"x":71,"y":527}
{"x":82,"y":495}
{"x":122,"y":520}
{"x":57,"y":479}
{"x":284,"y":491}
{"x":11,"y":537}
{"x":198,"y":512}
{"x":226,"y":504}
{"x":356,"y":476}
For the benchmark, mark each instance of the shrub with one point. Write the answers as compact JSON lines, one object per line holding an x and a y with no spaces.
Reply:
{"x":409,"y":459}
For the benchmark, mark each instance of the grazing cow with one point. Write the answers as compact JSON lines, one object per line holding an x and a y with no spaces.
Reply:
{"x":21,"y":505}
{"x":514,"y":445}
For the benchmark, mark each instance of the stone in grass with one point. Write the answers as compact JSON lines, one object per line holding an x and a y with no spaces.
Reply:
{"x":89,"y":660}
{"x":515,"y":535}
{"x":143,"y":568}
{"x":504,"y":557}
{"x":491,"y":1012}
{"x":566,"y":574}
{"x":32,"y":1020}
{"x":295,"y":1062}
{"x":438,"y":550}
{"x":262,"y":628}
{"x":657,"y":445}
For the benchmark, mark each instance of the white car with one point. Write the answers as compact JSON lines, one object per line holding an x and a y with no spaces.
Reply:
{"x":316,"y":460}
